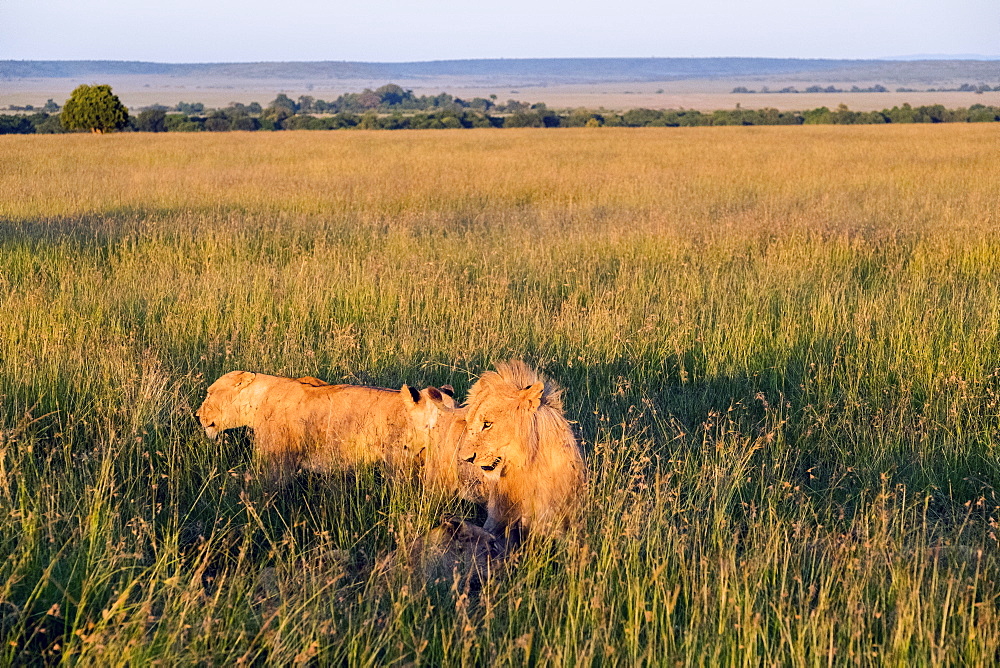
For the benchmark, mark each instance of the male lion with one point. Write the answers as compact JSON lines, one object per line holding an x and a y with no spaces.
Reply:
{"x":306,"y":423}
{"x":517,"y":435}
{"x":439,"y":426}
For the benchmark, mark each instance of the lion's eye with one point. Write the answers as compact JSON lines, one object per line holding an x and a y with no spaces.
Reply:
{"x":487,"y":425}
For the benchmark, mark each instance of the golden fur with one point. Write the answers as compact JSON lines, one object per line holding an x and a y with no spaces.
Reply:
{"x":517,"y":435}
{"x":430,"y":411}
{"x":439,"y":426}
{"x":306,"y":423}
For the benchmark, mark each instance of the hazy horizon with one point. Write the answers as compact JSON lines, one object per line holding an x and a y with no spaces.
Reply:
{"x":902,"y":58}
{"x":395,"y":32}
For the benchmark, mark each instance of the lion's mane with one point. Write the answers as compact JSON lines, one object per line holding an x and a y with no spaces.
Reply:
{"x":541,"y":474}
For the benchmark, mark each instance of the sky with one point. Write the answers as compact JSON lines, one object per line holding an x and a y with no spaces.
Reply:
{"x":180,"y":31}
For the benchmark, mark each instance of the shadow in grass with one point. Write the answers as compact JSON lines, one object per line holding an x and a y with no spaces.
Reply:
{"x":832,"y":442}
{"x":95,"y":231}
{"x":342,"y":510}
{"x":32,"y":639}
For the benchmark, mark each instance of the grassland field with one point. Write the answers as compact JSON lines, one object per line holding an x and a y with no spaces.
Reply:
{"x":780,"y":346}
{"x":622,"y":97}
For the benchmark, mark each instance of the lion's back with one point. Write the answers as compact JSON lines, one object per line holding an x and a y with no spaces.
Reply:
{"x":351,"y":403}
{"x":338,"y":425}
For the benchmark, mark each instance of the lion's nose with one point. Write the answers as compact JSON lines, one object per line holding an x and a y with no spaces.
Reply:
{"x":471,"y":459}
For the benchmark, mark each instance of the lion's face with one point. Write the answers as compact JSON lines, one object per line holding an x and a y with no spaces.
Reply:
{"x":224,"y":408}
{"x":497,"y":431}
{"x":425,"y":409}
{"x":426,"y":406}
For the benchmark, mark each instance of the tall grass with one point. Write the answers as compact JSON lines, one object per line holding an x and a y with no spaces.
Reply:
{"x":780,"y":346}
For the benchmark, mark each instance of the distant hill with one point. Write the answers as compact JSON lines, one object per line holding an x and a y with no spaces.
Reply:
{"x":943,"y":56}
{"x":550,"y":70}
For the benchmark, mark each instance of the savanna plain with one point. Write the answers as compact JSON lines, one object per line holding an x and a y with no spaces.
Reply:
{"x":780,"y":347}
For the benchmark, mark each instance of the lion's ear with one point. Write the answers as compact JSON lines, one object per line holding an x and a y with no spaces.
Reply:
{"x":530,"y":398}
{"x":440,"y":399}
{"x":409,"y":395}
{"x":243,"y":379}
{"x":448,"y":400}
{"x":447,"y":396}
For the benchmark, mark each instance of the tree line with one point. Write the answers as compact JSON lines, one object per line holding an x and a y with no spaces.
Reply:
{"x":393,"y":108}
{"x":877,"y":88}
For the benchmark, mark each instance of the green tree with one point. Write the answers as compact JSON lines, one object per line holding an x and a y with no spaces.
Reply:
{"x":284,"y":102}
{"x":47,"y":124}
{"x":818,"y":116}
{"x":638,"y":118}
{"x":183,"y":123}
{"x":274,"y":117}
{"x":843,"y":115}
{"x":94,"y":108}
{"x":243,"y":122}
{"x":16,"y":125}
{"x":369,"y":99}
{"x":523,"y":119}
{"x":151,"y":120}
{"x":480,"y":103}
{"x":190,"y":107}
{"x":369,"y":121}
{"x":306,"y":104}
{"x":392,"y":94}
{"x":904,"y":114}
{"x":613,"y":120}
{"x":979,"y":113}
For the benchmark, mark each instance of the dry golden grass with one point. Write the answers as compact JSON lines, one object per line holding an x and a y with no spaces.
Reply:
{"x":779,"y":345}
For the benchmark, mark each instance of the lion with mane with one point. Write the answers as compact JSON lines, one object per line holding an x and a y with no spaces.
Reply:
{"x":516,"y":433}
{"x":305,"y":423}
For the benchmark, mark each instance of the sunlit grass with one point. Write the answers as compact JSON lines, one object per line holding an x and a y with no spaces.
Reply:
{"x":779,"y":345}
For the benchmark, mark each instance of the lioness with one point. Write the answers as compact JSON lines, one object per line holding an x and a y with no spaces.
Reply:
{"x":440,"y":425}
{"x":517,"y":435}
{"x":306,"y":423}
